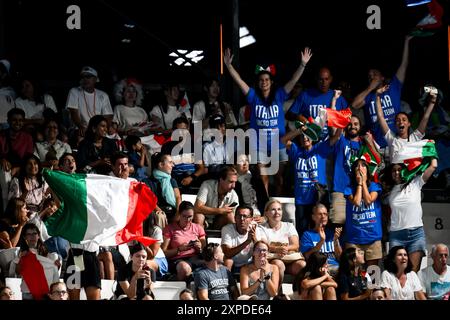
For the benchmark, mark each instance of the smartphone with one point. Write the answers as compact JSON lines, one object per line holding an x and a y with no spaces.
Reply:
{"x":192,"y":243}
{"x":234,"y":204}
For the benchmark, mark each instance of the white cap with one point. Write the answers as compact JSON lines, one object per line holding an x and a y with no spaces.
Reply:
{"x":89,"y":70}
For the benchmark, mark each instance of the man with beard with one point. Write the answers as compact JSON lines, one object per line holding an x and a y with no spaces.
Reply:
{"x":347,"y":146}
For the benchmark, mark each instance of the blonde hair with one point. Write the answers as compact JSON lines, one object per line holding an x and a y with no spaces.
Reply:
{"x":269,"y":203}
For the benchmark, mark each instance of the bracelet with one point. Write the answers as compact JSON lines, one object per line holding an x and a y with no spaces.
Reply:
{"x":303,"y":65}
{"x":360,"y":184}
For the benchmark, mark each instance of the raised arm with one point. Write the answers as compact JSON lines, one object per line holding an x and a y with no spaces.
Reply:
{"x":359,"y":100}
{"x":306,"y":55}
{"x":429,"y":171}
{"x":401,"y":72}
{"x":287,"y":138}
{"x":432,"y":98}
{"x":227,"y":59}
{"x":381,"y":120}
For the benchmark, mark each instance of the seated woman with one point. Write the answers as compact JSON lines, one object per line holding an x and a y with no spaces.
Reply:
{"x":183,"y":242}
{"x":51,"y":146}
{"x":155,"y":255}
{"x":163,"y":185}
{"x":282,"y":239}
{"x":128,"y":114}
{"x":211,"y":104}
{"x":30,"y":185}
{"x":33,"y":101}
{"x":135,"y":279}
{"x":398,"y":280}
{"x":31,"y":243}
{"x":315,"y":282}
{"x":351,"y":277}
{"x":260,"y":278}
{"x":95,"y":150}
{"x":172,"y":107}
{"x":12,"y":222}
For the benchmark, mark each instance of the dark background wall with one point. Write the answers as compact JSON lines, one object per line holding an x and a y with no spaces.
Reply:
{"x":37,"y":41}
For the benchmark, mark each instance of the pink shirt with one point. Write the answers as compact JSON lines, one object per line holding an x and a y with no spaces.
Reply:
{"x":179,"y":236}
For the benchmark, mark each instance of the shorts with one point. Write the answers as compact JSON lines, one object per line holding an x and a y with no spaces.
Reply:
{"x":372,"y":251}
{"x":412,"y":239}
{"x":194,"y":261}
{"x":338,"y":208}
{"x":264,"y":157}
{"x":90,"y":276}
{"x":163,"y":266}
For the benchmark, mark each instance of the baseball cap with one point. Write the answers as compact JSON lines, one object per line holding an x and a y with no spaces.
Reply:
{"x":89,"y":70}
{"x":216,"y":120}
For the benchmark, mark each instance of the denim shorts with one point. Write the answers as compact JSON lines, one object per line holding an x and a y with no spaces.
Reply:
{"x":412,"y":239}
{"x":263,"y":157}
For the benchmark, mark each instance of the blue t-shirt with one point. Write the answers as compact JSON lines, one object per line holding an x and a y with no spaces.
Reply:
{"x":309,"y":168}
{"x":391,"y":104}
{"x":311,"y":238}
{"x":264,"y":116}
{"x":310,"y":101}
{"x":344,"y":149}
{"x":363,"y":223}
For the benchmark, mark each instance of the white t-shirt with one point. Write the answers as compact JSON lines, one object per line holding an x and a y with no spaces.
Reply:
{"x":172,"y":113}
{"x":41,"y":149}
{"x":406,"y":205}
{"x":129,"y":117}
{"x":33,"y":110}
{"x":232,"y":238}
{"x":214,"y":153}
{"x":199,"y":114}
{"x":208,"y":194}
{"x":281,"y":235}
{"x":396,"y":143}
{"x":434,"y":285}
{"x":158,"y":235}
{"x":412,"y":284}
{"x":85,"y":103}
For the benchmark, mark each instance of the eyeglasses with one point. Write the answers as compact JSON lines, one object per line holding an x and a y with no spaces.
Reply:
{"x":59,"y":292}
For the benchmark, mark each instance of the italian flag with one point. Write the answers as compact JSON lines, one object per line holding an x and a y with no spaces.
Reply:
{"x":416,"y":157}
{"x":334,"y":118}
{"x":103,"y":209}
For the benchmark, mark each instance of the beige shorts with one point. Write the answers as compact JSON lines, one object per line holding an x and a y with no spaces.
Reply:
{"x":372,"y":251}
{"x":337,"y":212}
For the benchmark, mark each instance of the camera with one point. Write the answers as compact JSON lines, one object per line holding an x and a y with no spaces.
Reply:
{"x":192,"y":243}
{"x":430,"y":89}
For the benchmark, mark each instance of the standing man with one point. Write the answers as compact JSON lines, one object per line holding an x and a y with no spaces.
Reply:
{"x":390,"y":99}
{"x":311,"y":101}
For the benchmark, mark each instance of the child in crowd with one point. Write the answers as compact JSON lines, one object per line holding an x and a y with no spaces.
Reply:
{"x":137,"y":155}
